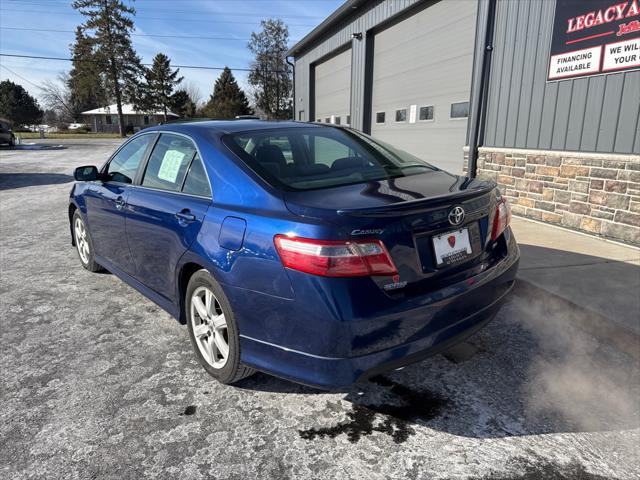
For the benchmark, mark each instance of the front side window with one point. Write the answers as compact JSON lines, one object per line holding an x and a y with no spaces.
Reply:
{"x":169,"y":162}
{"x":321,"y":157}
{"x":124,"y":165}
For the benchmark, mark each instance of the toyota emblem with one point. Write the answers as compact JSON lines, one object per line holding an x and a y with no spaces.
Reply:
{"x":456,"y":216}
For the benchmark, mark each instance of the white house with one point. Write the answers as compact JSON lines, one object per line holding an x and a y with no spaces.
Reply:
{"x":105,"y":119}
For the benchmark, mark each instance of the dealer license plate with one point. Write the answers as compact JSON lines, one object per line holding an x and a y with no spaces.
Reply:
{"x":452,"y":247}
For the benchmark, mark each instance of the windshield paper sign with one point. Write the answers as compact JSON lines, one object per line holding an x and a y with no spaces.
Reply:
{"x":594,"y":37}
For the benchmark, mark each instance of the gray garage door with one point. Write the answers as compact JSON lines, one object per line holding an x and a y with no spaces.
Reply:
{"x":333,"y":89}
{"x":422,"y":80}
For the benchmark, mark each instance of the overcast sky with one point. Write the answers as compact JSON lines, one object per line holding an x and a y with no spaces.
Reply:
{"x":234,"y":20}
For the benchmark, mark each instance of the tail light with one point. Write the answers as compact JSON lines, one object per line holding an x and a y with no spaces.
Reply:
{"x":502,"y":218}
{"x":335,"y":258}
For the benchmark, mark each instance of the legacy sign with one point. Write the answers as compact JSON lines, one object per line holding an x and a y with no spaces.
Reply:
{"x":592,"y":37}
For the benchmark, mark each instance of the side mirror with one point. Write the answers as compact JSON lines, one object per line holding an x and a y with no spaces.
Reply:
{"x":86,"y":174}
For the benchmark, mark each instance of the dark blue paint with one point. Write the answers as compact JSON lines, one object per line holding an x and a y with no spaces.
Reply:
{"x":232,"y":233}
{"x":158,"y":236}
{"x":106,"y":218}
{"x":320,"y":331}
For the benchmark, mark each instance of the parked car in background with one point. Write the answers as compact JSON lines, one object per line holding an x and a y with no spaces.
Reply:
{"x":6,"y":135}
{"x":312,"y":252}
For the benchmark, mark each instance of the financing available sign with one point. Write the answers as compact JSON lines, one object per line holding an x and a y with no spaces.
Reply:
{"x":594,"y":37}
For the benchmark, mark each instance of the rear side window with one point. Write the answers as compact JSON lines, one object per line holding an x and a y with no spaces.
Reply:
{"x":168,"y":163}
{"x":197,"y":182}
{"x":124,"y":165}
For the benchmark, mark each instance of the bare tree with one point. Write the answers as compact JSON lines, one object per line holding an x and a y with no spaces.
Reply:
{"x":57,"y":97}
{"x":194,"y":92}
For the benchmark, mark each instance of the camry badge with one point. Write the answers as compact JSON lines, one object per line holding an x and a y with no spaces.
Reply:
{"x":371,"y":231}
{"x":456,"y":215}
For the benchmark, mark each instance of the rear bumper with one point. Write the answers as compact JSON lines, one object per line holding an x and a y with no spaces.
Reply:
{"x":424,"y":327}
{"x":338,"y":373}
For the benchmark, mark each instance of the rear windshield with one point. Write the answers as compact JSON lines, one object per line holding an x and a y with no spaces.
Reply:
{"x":314,"y":158}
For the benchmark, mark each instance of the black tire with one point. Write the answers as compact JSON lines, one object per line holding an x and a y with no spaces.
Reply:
{"x":89,"y":262}
{"x":232,"y":371}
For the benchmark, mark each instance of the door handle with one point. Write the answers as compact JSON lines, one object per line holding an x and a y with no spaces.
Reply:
{"x":120,"y":202}
{"x":185,"y":216}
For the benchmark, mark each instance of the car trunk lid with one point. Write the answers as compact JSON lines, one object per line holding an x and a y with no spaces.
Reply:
{"x":409,"y":214}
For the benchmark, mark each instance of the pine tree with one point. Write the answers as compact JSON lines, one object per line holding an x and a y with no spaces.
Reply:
{"x":270,"y":73}
{"x":159,"y":85}
{"x":17,"y":105}
{"x":110,"y":23}
{"x":228,"y":100}
{"x":182,"y":104}
{"x":86,"y":80}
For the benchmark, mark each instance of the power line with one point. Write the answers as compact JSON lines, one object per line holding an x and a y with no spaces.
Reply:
{"x":173,"y":19}
{"x":141,"y":8}
{"x":20,"y":76}
{"x":195,"y":37}
{"x":138,"y":4}
{"x":197,"y":67}
{"x":221,"y":14}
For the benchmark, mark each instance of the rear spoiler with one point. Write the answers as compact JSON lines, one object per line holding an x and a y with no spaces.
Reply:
{"x":419,"y":205}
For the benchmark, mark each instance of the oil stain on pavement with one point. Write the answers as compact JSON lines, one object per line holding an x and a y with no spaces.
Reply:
{"x":408,"y":406}
{"x":189,"y":410}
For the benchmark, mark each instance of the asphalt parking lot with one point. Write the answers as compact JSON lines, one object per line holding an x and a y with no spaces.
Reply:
{"x":98,"y":382}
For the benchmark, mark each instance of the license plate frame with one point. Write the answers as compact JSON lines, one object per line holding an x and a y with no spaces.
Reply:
{"x":452,"y":247}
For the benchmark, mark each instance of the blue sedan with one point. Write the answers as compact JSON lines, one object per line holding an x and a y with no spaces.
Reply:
{"x":312,"y":252}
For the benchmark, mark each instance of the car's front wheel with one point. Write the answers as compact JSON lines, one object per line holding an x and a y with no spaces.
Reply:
{"x":213,"y":330}
{"x":84,"y":246}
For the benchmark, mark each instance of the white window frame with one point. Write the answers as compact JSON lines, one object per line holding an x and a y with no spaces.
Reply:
{"x":457,"y":118}
{"x":428,"y":120}
{"x":406,"y":117}
{"x":385,"y":118}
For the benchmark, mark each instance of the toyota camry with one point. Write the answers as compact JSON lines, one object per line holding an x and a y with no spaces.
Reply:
{"x":312,"y":252}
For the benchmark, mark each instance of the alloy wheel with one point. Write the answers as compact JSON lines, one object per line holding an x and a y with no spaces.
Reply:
{"x":82,"y":242}
{"x":209,"y":327}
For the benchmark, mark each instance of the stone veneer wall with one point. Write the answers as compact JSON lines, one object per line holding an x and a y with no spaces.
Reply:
{"x":595,"y":193}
